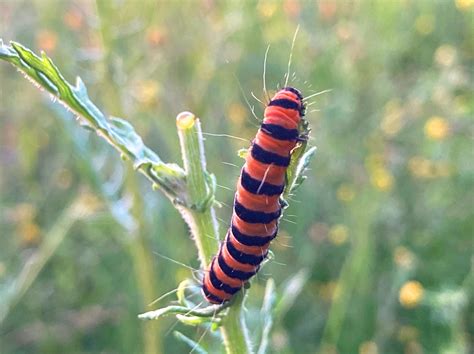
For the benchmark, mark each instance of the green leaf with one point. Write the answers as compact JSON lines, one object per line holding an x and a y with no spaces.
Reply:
{"x":300,"y":160}
{"x":42,"y":72}
{"x":195,"y":346}
{"x":209,"y":311}
{"x":291,"y":291}
{"x":196,"y":321}
{"x":267,"y":315}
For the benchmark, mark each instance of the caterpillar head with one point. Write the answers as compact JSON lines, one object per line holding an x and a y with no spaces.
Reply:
{"x":291,"y":98}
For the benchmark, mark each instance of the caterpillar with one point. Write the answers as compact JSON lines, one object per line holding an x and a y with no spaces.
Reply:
{"x":257,"y":206}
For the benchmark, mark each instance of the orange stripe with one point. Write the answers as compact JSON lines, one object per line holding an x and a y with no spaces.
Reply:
{"x":280,"y":147}
{"x":284,"y":117}
{"x":254,"y":229}
{"x":234,"y":282}
{"x":253,"y":250}
{"x":216,"y":292}
{"x":231,"y":262}
{"x":257,"y":170}
{"x":257,"y":202}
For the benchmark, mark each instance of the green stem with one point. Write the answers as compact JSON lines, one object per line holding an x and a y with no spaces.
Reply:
{"x":234,"y":329}
{"x":53,"y":238}
{"x":355,"y":273}
{"x":139,"y":244}
{"x":200,"y":217}
{"x":199,"y":213}
{"x":145,"y":276}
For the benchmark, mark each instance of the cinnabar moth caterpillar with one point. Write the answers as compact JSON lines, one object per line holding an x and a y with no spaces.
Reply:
{"x":257,"y":205}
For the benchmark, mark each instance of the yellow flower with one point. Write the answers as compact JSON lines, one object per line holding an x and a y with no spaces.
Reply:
{"x":424,"y":24}
{"x":436,"y":128}
{"x":237,"y":113}
{"x":87,"y":204}
{"x":382,"y":179}
{"x":327,"y":290}
{"x":22,"y":212}
{"x":392,"y":120}
{"x":345,"y":193}
{"x":368,"y":347}
{"x":445,"y":55}
{"x":267,"y":8}
{"x":403,"y":257}
{"x":338,"y":234}
{"x":413,"y":347}
{"x":407,"y":333}
{"x":30,"y":233}
{"x":147,"y":92}
{"x":464,"y":4}
{"x":374,"y":161}
{"x":411,"y":294}
{"x":420,"y":167}
{"x":442,"y":169}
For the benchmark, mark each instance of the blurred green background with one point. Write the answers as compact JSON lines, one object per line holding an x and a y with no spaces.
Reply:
{"x":383,"y":226}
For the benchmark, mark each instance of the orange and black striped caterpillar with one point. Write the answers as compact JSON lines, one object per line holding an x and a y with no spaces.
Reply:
{"x":257,"y":205}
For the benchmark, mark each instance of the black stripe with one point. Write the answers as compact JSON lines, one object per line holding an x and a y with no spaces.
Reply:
{"x":295,"y":91}
{"x":278,"y":132}
{"x":268,"y":157}
{"x":255,"y":217}
{"x":220,"y":285}
{"x":285,"y":103}
{"x":248,"y":240}
{"x":233,"y":273}
{"x":255,"y":186}
{"x":211,"y":296}
{"x":244,"y":257}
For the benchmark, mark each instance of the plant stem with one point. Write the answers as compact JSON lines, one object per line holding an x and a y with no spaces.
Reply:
{"x":145,"y":276}
{"x":355,"y":274}
{"x":234,"y":329}
{"x":77,"y":210}
{"x":200,"y":217}
{"x":139,"y":244}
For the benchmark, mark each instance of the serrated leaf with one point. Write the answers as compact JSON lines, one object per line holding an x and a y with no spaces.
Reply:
{"x":116,"y":131}
{"x":300,"y":160}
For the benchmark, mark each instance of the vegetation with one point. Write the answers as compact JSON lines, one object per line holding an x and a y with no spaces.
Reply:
{"x":375,"y":251}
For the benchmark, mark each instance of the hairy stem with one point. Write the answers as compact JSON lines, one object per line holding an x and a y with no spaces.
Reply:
{"x":201,"y":218}
{"x":191,"y":190}
{"x":199,"y":214}
{"x":234,"y":329}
